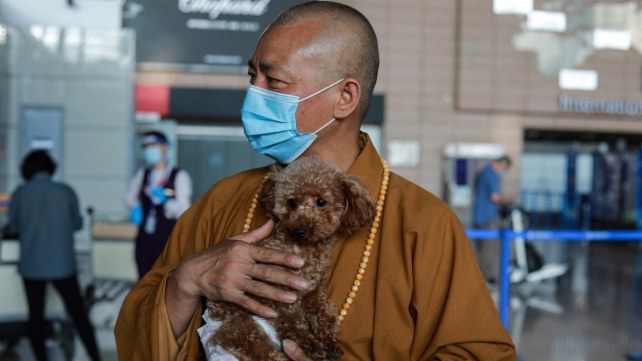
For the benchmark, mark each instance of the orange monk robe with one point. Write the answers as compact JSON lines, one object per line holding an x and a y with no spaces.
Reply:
{"x":422,"y":296}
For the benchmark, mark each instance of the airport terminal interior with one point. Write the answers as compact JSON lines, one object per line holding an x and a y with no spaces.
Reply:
{"x":556,"y":85}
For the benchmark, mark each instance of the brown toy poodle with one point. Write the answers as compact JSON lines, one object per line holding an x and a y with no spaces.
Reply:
{"x":312,"y":201}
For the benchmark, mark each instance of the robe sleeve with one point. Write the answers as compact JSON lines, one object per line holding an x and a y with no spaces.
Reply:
{"x":175,"y":347}
{"x":453,"y":293}
{"x":143,"y":331}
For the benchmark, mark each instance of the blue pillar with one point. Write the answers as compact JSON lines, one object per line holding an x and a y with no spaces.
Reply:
{"x":504,"y":277}
{"x":639,"y":191}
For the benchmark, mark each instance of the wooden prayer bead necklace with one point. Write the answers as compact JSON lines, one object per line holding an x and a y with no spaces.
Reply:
{"x":369,"y":242}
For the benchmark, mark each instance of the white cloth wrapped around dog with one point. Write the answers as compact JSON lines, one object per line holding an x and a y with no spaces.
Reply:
{"x":216,"y":352}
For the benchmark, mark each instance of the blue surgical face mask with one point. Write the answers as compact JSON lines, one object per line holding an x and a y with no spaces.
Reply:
{"x":152,"y":155}
{"x":270,"y":124}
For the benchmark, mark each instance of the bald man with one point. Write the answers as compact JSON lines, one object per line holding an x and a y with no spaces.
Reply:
{"x":406,"y":288}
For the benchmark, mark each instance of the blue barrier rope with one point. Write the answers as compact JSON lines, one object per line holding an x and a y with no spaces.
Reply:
{"x":482,"y":233}
{"x":506,"y":235}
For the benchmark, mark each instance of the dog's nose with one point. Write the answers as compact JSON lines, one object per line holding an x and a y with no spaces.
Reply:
{"x":300,"y":232}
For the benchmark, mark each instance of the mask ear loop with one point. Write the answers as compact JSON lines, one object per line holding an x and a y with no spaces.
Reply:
{"x":322,"y":90}
{"x":326,"y":124}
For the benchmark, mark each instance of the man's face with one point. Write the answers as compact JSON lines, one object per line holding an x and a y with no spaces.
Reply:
{"x":284,"y":62}
{"x":501,"y":166}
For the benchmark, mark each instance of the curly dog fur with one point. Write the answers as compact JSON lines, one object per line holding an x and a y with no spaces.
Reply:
{"x":312,"y":201}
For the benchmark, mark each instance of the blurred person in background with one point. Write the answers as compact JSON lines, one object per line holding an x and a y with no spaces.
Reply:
{"x":44,"y":214}
{"x":157,"y":195}
{"x":488,"y":200}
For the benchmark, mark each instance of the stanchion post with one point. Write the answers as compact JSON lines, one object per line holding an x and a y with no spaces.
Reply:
{"x":504,"y":277}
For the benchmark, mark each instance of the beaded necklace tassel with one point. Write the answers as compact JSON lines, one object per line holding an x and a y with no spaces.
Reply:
{"x":250,"y":212}
{"x":369,"y":242}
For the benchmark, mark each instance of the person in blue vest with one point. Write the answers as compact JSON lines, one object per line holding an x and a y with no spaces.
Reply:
{"x":157,"y":195}
{"x":488,"y":199}
{"x":44,"y":215}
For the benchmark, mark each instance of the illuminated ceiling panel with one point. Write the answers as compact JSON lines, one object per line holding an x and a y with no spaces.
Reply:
{"x":611,"y":39}
{"x":574,"y":79}
{"x":546,"y":21}
{"x":517,"y":7}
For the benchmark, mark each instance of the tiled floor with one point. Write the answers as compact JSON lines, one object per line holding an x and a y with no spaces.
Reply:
{"x":105,"y":339}
{"x":592,"y":313}
{"x":584,"y":316}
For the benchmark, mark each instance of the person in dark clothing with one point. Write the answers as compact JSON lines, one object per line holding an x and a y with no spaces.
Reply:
{"x":44,"y":214}
{"x":157,"y":195}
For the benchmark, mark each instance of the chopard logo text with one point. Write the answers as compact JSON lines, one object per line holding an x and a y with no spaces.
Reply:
{"x":224,"y":7}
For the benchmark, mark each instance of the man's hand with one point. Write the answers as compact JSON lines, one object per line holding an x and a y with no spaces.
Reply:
{"x":229,"y":271}
{"x":294,"y":352}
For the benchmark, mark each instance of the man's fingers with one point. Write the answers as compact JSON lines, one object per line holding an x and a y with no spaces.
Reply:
{"x":267,"y":255}
{"x":256,"y":307}
{"x":276,"y":275}
{"x":266,"y":291}
{"x":271,"y":256}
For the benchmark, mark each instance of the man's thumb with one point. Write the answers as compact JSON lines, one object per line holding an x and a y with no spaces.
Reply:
{"x":260,"y":233}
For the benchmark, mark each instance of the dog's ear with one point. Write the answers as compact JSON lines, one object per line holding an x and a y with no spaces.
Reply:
{"x":266,"y":195}
{"x":360,"y":207}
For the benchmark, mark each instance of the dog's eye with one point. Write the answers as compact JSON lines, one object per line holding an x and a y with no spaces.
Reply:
{"x":321,"y":202}
{"x":292,"y":203}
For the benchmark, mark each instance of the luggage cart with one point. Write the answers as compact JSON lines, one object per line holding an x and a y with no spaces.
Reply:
{"x":113,"y":265}
{"x":527,"y":274}
{"x":528,"y":267}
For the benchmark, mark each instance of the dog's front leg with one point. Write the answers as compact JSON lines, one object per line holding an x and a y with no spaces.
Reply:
{"x":292,"y":324}
{"x":321,"y":314}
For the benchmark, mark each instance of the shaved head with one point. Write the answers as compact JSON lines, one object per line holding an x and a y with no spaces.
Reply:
{"x":345,"y":45}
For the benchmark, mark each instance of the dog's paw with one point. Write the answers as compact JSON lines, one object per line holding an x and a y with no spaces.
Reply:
{"x":317,"y":355}
{"x":314,"y":350}
{"x":334,"y":350}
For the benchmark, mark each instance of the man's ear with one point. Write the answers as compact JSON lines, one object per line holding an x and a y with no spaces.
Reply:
{"x":349,"y":98}
{"x":266,"y":195}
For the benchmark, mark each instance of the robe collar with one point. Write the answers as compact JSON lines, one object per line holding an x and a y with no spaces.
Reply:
{"x":368,"y":166}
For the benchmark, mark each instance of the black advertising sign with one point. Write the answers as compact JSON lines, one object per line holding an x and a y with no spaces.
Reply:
{"x":199,"y":35}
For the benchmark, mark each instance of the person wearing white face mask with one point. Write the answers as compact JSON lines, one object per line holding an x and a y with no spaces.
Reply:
{"x":157,"y":195}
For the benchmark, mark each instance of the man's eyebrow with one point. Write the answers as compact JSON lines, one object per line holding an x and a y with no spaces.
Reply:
{"x":266,"y":66}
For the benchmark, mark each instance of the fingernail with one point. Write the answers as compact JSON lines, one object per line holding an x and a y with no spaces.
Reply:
{"x":298,"y":262}
{"x":288,"y":346}
{"x":270,"y":314}
{"x":300,"y":284}
{"x":290,"y":297}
